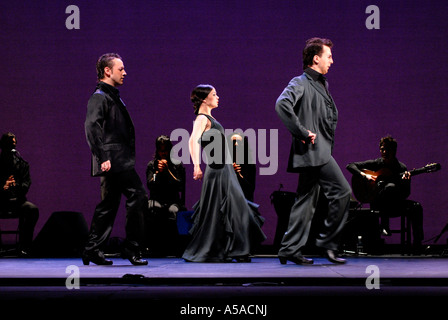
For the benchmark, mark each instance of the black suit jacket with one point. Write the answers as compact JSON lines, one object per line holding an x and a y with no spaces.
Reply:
{"x":11,"y":163}
{"x":109,"y":130}
{"x":306,"y":105}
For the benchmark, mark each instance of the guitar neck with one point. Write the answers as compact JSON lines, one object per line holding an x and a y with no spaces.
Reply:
{"x":416,"y":172}
{"x":426,"y":169}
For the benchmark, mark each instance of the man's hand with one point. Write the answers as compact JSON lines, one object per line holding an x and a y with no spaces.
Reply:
{"x":11,"y":182}
{"x":236,"y":167}
{"x":368,"y":176}
{"x":311,"y":136}
{"x":406,"y":175}
{"x":105,"y":166}
{"x":162,"y":165}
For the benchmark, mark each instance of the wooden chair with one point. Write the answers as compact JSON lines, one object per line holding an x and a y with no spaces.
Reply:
{"x":4,"y":215}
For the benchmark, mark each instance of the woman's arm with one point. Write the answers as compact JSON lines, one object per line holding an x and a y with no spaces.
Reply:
{"x":199,"y":126}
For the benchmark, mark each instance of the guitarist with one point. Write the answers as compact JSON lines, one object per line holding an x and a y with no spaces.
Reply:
{"x":393,"y":187}
{"x":15,"y":181}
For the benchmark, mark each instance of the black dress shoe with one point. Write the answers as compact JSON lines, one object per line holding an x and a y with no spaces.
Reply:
{"x":299,"y":259}
{"x":96,"y":257}
{"x":133,"y":257}
{"x":243,"y":259}
{"x":332,"y":257}
{"x":137,"y":261}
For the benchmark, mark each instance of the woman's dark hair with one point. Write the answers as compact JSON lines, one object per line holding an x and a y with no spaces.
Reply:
{"x":105,"y":61}
{"x":314,"y":46}
{"x":199,"y":94}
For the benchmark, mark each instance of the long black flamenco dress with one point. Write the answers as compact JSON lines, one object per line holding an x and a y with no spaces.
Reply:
{"x":226,"y":226}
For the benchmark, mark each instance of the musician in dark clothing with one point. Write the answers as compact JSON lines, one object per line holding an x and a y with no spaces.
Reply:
{"x":243,"y":164}
{"x":15,"y":180}
{"x":393,"y":189}
{"x":166,"y":184}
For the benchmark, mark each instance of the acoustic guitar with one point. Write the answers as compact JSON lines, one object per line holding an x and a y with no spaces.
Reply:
{"x":366,"y":190}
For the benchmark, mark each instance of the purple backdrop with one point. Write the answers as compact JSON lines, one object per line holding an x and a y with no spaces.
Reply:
{"x":386,"y":81}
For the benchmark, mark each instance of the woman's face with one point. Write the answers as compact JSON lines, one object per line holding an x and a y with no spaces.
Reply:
{"x":212,"y":99}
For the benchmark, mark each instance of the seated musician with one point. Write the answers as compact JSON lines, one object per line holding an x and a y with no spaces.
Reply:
{"x":166,"y":184}
{"x":392,"y":187}
{"x":243,"y":165}
{"x":15,"y":180}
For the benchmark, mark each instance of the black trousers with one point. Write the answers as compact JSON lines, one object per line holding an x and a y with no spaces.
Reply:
{"x":28,"y":216}
{"x":161,"y":234}
{"x":329,"y":180}
{"x":113,"y":186}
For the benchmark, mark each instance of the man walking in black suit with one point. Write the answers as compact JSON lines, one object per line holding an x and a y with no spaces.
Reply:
{"x":111,"y":138}
{"x":309,"y":113}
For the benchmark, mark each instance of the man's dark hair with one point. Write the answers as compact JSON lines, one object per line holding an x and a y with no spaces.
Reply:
{"x":314,"y":46}
{"x":6,"y":141}
{"x":106,"y":60}
{"x":389,"y":143}
{"x":164,"y":140}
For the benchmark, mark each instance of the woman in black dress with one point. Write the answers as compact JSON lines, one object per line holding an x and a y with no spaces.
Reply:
{"x":226,"y":226}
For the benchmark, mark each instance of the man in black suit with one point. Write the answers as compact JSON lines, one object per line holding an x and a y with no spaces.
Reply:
{"x":309,"y":113}
{"x":111,"y":138}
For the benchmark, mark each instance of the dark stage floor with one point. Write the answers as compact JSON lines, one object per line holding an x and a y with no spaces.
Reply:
{"x":263,"y":288}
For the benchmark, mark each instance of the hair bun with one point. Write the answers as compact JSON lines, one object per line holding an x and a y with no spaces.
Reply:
{"x":199,"y":94}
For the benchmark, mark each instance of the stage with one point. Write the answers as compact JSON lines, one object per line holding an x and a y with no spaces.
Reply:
{"x":263,"y":288}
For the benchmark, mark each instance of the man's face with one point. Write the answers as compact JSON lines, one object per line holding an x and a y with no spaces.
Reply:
{"x":163,"y":152}
{"x":386,"y":153}
{"x":115,"y":75}
{"x":11,"y":144}
{"x":324,"y":61}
